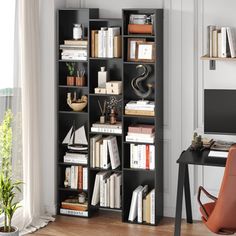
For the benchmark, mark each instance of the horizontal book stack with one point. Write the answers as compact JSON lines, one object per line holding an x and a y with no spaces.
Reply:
{"x":107,"y":190}
{"x":142,"y":156}
{"x":221,"y":41}
{"x":71,"y":206}
{"x":107,"y":128}
{"x":146,"y":108}
{"x":106,"y":42}
{"x":77,"y":158}
{"x":76,"y":177}
{"x":142,"y":207}
{"x":142,"y":133}
{"x":74,"y":50}
{"x":104,"y":152}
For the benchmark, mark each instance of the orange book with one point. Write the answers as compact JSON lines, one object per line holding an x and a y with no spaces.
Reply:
{"x":74,"y":206}
{"x":147,"y":157}
{"x":140,"y":29}
{"x":80,"y":178}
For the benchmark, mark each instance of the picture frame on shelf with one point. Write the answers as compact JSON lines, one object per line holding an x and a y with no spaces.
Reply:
{"x":132,"y":48}
{"x":145,"y":51}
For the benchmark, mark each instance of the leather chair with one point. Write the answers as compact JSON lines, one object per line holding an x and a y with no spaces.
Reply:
{"x":219,"y":215}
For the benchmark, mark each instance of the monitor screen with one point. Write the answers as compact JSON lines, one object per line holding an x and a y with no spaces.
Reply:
{"x":220,"y":111}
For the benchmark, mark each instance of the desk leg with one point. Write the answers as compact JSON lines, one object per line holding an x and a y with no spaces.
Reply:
{"x":187,"y":196}
{"x":179,"y":201}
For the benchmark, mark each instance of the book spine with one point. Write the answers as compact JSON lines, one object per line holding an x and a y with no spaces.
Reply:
{"x":96,"y":45}
{"x":147,"y":156}
{"x":93,"y":32}
{"x":68,"y":175}
{"x":118,"y":191}
{"x":152,"y":157}
{"x":114,"y":153}
{"x":215,"y":43}
{"x":223,"y":41}
{"x":106,"y":130}
{"x":152,"y":207}
{"x":73,"y":212}
{"x":74,"y":160}
{"x":102,"y":192}
{"x":80,"y":177}
{"x":231,"y":42}
{"x":211,"y":28}
{"x":112,"y":191}
{"x":110,"y":43}
{"x":104,"y":43}
{"x":100,"y":43}
{"x":85,"y":178}
{"x":117,"y":46}
{"x":72,"y":177}
{"x":101,"y":155}
{"x":140,"y":207}
{"x":219,"y":45}
{"x":138,"y":139}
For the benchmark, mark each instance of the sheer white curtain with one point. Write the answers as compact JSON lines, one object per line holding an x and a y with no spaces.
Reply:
{"x":27,"y":58}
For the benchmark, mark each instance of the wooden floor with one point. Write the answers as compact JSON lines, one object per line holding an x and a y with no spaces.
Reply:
{"x":108,"y":223}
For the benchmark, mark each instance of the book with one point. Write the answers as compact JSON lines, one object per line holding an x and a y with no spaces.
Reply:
{"x":68,"y":175}
{"x":117,"y":46}
{"x":92,"y":149}
{"x":231,"y":40}
{"x":75,"y":158}
{"x":139,"y":112}
{"x":96,"y":45}
{"x":224,"y":41}
{"x":80,"y":177}
{"x":112,"y":190}
{"x":148,"y":205}
{"x":76,"y":42}
{"x":144,"y":209}
{"x":210,"y":29}
{"x":105,"y":164}
{"x":103,"y":188}
{"x":142,"y":193}
{"x":133,"y":205}
{"x":118,"y":191}
{"x":72,"y":177}
{"x":74,"y":206}
{"x":118,"y":125}
{"x":111,"y":33}
{"x":85,"y":178}
{"x":106,"y":130}
{"x":73,"y":212}
{"x":152,"y":157}
{"x":93,"y":44}
{"x":96,"y":189}
{"x":136,"y":138}
{"x":152,"y":206}
{"x":219,"y":45}
{"x":215,"y":43}
{"x":113,"y":152}
{"x":143,"y":129}
{"x":97,"y":152}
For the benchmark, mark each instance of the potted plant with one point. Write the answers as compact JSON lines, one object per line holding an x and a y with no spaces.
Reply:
{"x":8,"y":186}
{"x":71,"y":71}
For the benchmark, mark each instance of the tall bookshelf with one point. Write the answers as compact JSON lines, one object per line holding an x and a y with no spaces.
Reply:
{"x":122,"y":70}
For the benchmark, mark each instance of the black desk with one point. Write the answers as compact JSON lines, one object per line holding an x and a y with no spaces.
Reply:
{"x":190,"y":158}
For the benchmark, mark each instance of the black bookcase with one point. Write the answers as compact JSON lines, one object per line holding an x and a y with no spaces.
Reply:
{"x":123,"y":70}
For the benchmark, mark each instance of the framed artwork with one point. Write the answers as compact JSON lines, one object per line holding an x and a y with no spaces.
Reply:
{"x":145,"y":51}
{"x":132,"y":48}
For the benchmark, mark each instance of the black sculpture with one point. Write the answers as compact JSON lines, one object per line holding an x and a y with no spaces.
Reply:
{"x":137,"y":85}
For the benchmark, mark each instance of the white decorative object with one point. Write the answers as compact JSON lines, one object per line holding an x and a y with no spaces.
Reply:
{"x":77,"y":31}
{"x":102,"y":77}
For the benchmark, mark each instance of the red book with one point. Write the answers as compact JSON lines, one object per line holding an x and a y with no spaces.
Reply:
{"x":80,"y":178}
{"x":147,"y":156}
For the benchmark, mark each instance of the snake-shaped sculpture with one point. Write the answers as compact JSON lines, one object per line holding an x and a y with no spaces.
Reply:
{"x":136,"y":82}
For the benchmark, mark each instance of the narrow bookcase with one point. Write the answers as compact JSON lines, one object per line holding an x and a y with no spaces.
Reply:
{"x":120,"y":69}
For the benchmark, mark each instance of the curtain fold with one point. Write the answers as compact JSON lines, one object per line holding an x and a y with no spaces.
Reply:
{"x":27,"y":53}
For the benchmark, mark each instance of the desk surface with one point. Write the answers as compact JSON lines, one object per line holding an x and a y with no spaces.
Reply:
{"x":200,"y":158}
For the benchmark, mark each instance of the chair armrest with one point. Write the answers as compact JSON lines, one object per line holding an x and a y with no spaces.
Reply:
{"x":201,"y":189}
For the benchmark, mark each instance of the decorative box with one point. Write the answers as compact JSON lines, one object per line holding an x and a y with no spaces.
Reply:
{"x":114,"y":91}
{"x":117,"y":85}
{"x":100,"y":90}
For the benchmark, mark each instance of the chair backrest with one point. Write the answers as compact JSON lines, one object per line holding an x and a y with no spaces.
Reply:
{"x":223,"y":216}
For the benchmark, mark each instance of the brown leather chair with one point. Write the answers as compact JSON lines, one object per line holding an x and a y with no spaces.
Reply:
{"x":219,"y":215}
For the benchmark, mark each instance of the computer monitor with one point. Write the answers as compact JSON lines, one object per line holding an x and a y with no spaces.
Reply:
{"x":220,"y":111}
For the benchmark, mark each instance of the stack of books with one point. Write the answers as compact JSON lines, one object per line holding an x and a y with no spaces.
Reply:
{"x":107,"y":128}
{"x":107,"y":190}
{"x":142,"y":133}
{"x":142,"y":156}
{"x":104,"y":152}
{"x":221,"y":42}
{"x":142,"y":207}
{"x":106,"y":42}
{"x":141,"y":108}
{"x":74,"y":50}
{"x":71,"y":206}
{"x":77,"y":158}
{"x":77,"y":177}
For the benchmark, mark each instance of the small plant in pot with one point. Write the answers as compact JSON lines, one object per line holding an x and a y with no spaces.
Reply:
{"x":70,"y":80}
{"x":8,"y":186}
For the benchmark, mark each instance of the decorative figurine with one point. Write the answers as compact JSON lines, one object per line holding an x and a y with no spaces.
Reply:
{"x":137,"y":85}
{"x":103,"y":111}
{"x":82,"y":197}
{"x":113,"y":116}
{"x":197,"y":144}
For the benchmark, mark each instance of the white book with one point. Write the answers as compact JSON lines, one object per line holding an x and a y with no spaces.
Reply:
{"x":105,"y":159}
{"x":85,"y":178}
{"x":75,"y":160}
{"x":76,"y":177}
{"x":103,"y":178}
{"x":108,"y":192}
{"x":100,"y":43}
{"x":118,"y":191}
{"x":152,"y":157}
{"x":112,"y":190}
{"x":68,"y":175}
{"x":140,"y":156}
{"x":106,"y":130}
{"x":104,"y":43}
{"x":73,"y":212}
{"x":223,"y":41}
{"x":92,"y":149}
{"x":219,"y":45}
{"x":231,"y":40}
{"x":215,"y":43}
{"x":112,"y":31}
{"x":141,"y":195}
{"x":136,"y":138}
{"x":114,"y":153}
{"x":141,"y":135}
{"x":134,"y":156}
{"x":152,"y":206}
{"x":101,"y":154}
{"x":96,"y":189}
{"x":210,"y":39}
{"x":134,"y":204}
{"x":97,"y":153}
{"x":72,"y":177}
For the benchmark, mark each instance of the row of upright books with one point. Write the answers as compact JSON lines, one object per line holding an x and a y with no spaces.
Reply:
{"x":221,"y":41}
{"x":146,"y":108}
{"x":107,"y":190}
{"x":143,"y":133}
{"x":142,"y":207}
{"x":76,"y":177}
{"x":74,"y":50}
{"x":142,"y":156}
{"x":104,"y":152}
{"x":106,"y":42}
